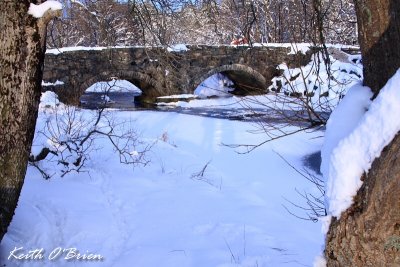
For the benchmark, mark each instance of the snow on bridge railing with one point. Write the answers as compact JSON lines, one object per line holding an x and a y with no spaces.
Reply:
{"x":295,"y":47}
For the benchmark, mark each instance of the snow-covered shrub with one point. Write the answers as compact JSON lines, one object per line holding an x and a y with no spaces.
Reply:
{"x":67,"y":135}
{"x":321,"y":83}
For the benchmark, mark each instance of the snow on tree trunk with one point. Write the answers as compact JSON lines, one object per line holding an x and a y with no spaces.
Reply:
{"x":368,"y":233}
{"x":22,"y":39}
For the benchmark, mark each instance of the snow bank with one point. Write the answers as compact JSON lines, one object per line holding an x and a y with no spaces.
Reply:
{"x":343,"y":120}
{"x":38,"y":11}
{"x":215,"y":103}
{"x":349,"y":153}
{"x":56,"y":51}
{"x":320,"y":261}
{"x":52,"y":84}
{"x":48,"y":100}
{"x":113,"y":86}
{"x":177,"y":48}
{"x":261,"y":103}
{"x":294,"y":47}
{"x":183,"y":96}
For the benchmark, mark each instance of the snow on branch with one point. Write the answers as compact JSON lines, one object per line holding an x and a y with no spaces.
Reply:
{"x":38,"y":11}
{"x":352,"y":154}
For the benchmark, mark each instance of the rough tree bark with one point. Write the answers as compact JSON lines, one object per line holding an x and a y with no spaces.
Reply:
{"x":368,"y":233}
{"x":22,"y":46}
{"x":379,"y":37}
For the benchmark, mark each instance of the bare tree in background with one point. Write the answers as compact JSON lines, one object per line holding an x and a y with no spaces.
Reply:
{"x":94,"y":23}
{"x":157,"y":22}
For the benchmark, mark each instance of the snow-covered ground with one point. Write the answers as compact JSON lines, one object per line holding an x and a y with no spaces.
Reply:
{"x":197,"y":202}
{"x":163,"y":214}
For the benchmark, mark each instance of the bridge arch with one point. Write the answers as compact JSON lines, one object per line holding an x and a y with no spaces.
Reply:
{"x":150,"y":87}
{"x":246,"y":80}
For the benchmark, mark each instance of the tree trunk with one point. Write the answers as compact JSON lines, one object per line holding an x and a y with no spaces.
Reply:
{"x":379,"y":37}
{"x":22,"y":39}
{"x":368,"y":233}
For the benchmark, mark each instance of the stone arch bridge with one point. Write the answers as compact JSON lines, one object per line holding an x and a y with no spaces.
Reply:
{"x":158,"y":72}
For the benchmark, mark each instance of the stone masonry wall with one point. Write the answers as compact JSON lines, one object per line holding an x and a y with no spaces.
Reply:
{"x":158,"y":72}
